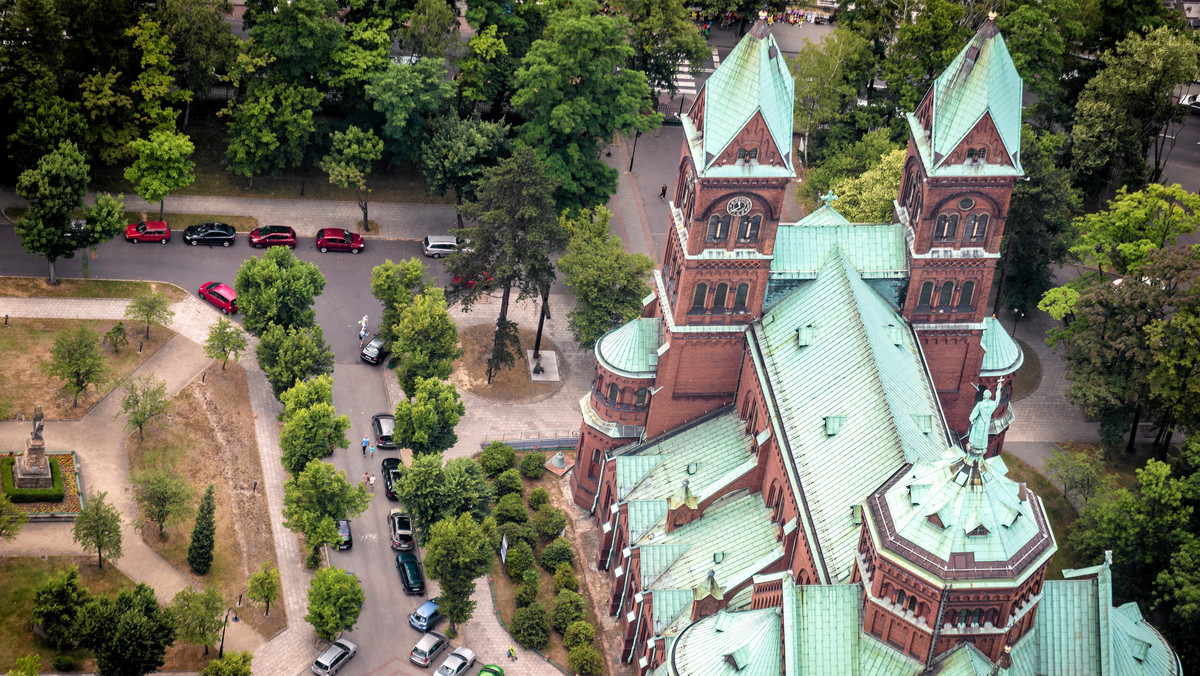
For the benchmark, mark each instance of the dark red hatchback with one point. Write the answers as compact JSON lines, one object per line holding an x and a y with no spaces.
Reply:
{"x":148,"y":231}
{"x":337,"y":239}
{"x":273,"y":235}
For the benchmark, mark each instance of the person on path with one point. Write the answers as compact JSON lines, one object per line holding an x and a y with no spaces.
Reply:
{"x":372,"y":483}
{"x":366,"y":478}
{"x":662,"y":194}
{"x":366,"y":442}
{"x":372,"y":451}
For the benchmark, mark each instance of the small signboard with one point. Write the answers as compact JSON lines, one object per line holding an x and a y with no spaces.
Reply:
{"x":504,"y":548}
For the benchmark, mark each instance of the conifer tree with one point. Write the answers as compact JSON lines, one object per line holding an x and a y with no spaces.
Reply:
{"x":200,"y":551}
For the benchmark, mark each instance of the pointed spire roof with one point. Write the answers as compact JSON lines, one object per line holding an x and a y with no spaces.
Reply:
{"x":981,"y":81}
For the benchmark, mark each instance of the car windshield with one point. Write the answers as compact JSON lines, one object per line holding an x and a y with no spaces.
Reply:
{"x":141,"y":228}
{"x":371,"y":349}
{"x":387,"y":426}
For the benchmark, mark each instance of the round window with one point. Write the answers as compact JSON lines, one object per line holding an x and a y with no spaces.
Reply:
{"x":966,"y":203}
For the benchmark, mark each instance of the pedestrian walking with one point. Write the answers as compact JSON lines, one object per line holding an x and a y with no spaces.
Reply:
{"x":662,"y":194}
{"x":372,"y":483}
{"x":366,"y":442}
{"x":366,"y":478}
{"x":372,"y":451}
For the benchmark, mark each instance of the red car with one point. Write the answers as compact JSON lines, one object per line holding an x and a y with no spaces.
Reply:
{"x":337,"y":239}
{"x":273,"y":235}
{"x":220,"y":295}
{"x":480,"y":278}
{"x":148,"y":231}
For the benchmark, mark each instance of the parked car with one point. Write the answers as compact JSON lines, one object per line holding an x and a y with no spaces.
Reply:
{"x":220,"y":295}
{"x":427,"y":616}
{"x":148,"y":231}
{"x":374,"y":352}
{"x":400,"y":525}
{"x":391,"y":475}
{"x":334,"y":658}
{"x":430,"y":646}
{"x":436,"y":246}
{"x":273,"y":235}
{"x":337,"y":239}
{"x":490,"y":670}
{"x":383,"y":424}
{"x":484,"y":278}
{"x":411,"y":577}
{"x":457,"y":662}
{"x":212,"y":234}
{"x":345,"y":537}
{"x":1191,"y":102}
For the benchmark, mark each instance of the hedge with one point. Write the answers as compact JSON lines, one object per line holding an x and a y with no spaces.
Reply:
{"x":15,"y":494}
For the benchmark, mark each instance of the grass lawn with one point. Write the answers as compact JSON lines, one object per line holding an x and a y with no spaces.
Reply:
{"x":37,"y":287}
{"x":26,"y":343}
{"x":209,"y":437}
{"x":177,"y":221}
{"x":508,"y":385}
{"x":1060,"y":512}
{"x":1029,"y":376}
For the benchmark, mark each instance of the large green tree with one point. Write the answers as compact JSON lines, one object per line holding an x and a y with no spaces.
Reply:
{"x":204,"y":534}
{"x":482,"y":75}
{"x":335,"y":600}
{"x":1119,"y":239}
{"x":922,"y":50}
{"x":300,"y":36}
{"x":424,"y":340}
{"x":76,"y":360}
{"x":155,"y":89}
{"x":277,"y":288}
{"x":395,"y":285}
{"x":205,"y":46}
{"x":128,"y":634}
{"x":98,"y":528}
{"x":431,"y":29}
{"x":868,"y":197}
{"x":297,"y":353}
{"x":312,"y":433}
{"x":457,"y":153}
{"x":425,"y":421}
{"x":1040,"y":37}
{"x":197,"y":615}
{"x":362,"y":54}
{"x":844,"y":161}
{"x":271,"y":128}
{"x":349,"y":163}
{"x":431,"y":492}
{"x":663,"y":36}
{"x":408,"y":95}
{"x":306,"y":394}
{"x":576,"y":92}
{"x":457,"y":553}
{"x":829,"y":75}
{"x":56,"y":605}
{"x":163,"y":165}
{"x":163,"y":496}
{"x":110,"y":116}
{"x":315,"y":499}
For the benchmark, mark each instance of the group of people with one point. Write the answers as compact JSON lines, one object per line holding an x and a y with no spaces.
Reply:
{"x":368,"y":480}
{"x":367,"y":446}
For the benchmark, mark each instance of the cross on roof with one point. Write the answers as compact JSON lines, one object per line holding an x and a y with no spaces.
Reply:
{"x":828,"y":198}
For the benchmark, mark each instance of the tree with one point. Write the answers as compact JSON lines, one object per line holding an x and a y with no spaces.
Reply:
{"x":197,"y":615}
{"x":425,"y":423}
{"x":76,"y":359}
{"x":271,"y":128}
{"x":349,"y":163}
{"x":306,"y":394}
{"x":225,"y":341}
{"x":431,"y":29}
{"x":510,"y":509}
{"x":315,"y":499}
{"x":431,"y":492}
{"x":101,"y":222}
{"x":297,"y":353}
{"x":568,"y":608}
{"x":335,"y":599}
{"x":481,"y":76}
{"x":301,"y":38}
{"x":116,"y":337}
{"x":110,"y":116}
{"x":557,"y":553}
{"x":1120,"y":238}
{"x":456,"y":554}
{"x":519,"y":559}
{"x":466,"y":490}
{"x":264,"y":586}
{"x":151,"y":308}
{"x":829,"y":75}
{"x":1178,"y":587}
{"x":129,"y":634}
{"x":922,"y":51}
{"x":538,"y":496}
{"x":312,"y":433}
{"x":424,"y":341}
{"x":200,"y":549}
{"x":56,"y":605}
{"x":1173,"y":381}
{"x":29,"y":665}
{"x":155,"y":86}
{"x":1124,"y":112}
{"x":1117,"y":19}
{"x":233,"y":664}
{"x":1081,"y":473}
{"x":531,"y":626}
{"x":395,"y":285}
{"x":163,"y":164}
{"x":362,"y":54}
{"x":204,"y":44}
{"x":145,"y":399}
{"x":507,"y":483}
{"x":497,"y":457}
{"x":11,"y":520}
{"x":54,"y":190}
{"x":458,"y":152}
{"x":663,"y":36}
{"x":609,"y":283}
{"x":44,"y":121}
{"x":549,"y":522}
{"x":532,"y":466}
{"x":163,"y":496}
{"x":585,"y":660}
{"x":1039,"y":38}
{"x":844,"y":161}
{"x":868,"y":197}
{"x":98,"y":528}
{"x":576,"y":94}
{"x":565,"y":578}
{"x":514,"y":236}
{"x":277,"y":288}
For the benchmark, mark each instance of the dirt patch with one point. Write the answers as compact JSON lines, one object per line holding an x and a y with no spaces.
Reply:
{"x":209,"y":437}
{"x":26,"y":343}
{"x":38,"y":287}
{"x":511,"y":385}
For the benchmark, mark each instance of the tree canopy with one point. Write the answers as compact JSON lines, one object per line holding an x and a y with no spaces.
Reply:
{"x":277,"y":288}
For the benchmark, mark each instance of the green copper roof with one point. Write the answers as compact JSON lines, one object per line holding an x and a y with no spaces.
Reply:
{"x":875,"y":251}
{"x":643,"y":515}
{"x":631,"y":350}
{"x":669,"y":606}
{"x":702,"y":454}
{"x":656,"y":559}
{"x":981,"y":81}
{"x":631,"y":469}
{"x":860,"y":361}
{"x":964,"y":660}
{"x":825,"y":215}
{"x":730,"y":644}
{"x":753,"y":79}
{"x":1001,"y":353}
{"x":1138,"y":649}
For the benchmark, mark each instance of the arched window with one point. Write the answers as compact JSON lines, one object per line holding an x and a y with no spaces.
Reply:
{"x":914,"y":211}
{"x":594,"y":465}
{"x":976,"y":617}
{"x":912,"y":604}
{"x":963,"y":616}
{"x":976,"y":228}
{"x":748,"y":228}
{"x":946,"y":294}
{"x":699,"y":297}
{"x":981,"y":154}
{"x":900,"y":598}
{"x":719,"y":296}
{"x":612,"y":393}
{"x":641,"y":396}
{"x":747,"y":154}
{"x":947,"y":226}
{"x":926,"y":297}
{"x":718,"y":228}
{"x":966,"y":295}
{"x":739,"y":297}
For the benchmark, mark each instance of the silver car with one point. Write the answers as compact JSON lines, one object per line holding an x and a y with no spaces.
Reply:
{"x":458,"y":662}
{"x":436,"y":246}
{"x":334,"y":658}
{"x":430,"y":646}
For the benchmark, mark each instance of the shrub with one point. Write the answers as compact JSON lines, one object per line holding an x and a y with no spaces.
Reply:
{"x":532,"y":465}
{"x":526,"y":594}
{"x":64,"y":663}
{"x":19,"y":495}
{"x":568,"y":608}
{"x":564,"y":578}
{"x":510,"y":509}
{"x":496,"y":458}
{"x":556,"y":553}
{"x":538,"y":497}
{"x":577,"y":634}
{"x":508,"y":483}
{"x":516,"y":532}
{"x":584,"y":660}
{"x":549,"y":522}
{"x":519,"y":559}
{"x":531,"y":626}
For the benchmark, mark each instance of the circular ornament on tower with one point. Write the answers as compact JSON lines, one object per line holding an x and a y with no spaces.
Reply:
{"x":966,"y":203}
{"x":739,"y":206}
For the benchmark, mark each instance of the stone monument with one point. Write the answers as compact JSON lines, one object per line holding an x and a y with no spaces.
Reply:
{"x":32,"y":470}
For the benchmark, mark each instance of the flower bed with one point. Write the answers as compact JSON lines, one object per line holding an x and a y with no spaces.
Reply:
{"x":67,"y":476}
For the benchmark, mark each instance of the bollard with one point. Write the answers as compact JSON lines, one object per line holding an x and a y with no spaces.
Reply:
{"x":203,"y":375}
{"x":255,"y":488}
{"x":139,"y":347}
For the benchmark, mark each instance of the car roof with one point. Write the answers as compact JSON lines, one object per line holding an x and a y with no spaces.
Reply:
{"x":275,"y":228}
{"x":220,"y":287}
{"x":442,"y":239}
{"x":428,"y":606}
{"x":429,"y":639}
{"x":407,"y":557}
{"x":332,"y":232}
{"x":391,"y":463}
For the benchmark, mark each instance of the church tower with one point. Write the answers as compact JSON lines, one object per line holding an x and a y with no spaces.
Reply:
{"x":963,"y":161}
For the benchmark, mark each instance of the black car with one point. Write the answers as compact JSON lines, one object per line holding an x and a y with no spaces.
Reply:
{"x":384,"y":425}
{"x":345,"y":538}
{"x":373,"y":352}
{"x":391,"y":475}
{"x":411,"y":577}
{"x":400,"y":525}
{"x":211,"y":234}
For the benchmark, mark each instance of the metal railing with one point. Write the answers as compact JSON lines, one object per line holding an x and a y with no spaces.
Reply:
{"x":536,"y":440}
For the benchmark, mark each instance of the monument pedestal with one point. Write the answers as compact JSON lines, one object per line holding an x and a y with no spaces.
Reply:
{"x":32,"y":470}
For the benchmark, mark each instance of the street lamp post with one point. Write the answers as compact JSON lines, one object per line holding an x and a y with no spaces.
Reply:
{"x":224,"y":627}
{"x":633,"y":154}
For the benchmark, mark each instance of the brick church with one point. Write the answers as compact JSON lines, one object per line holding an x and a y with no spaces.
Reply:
{"x":793,"y":456}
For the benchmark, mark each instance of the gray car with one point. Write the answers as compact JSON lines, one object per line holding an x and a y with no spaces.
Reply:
{"x":428,"y":648}
{"x":334,"y":658}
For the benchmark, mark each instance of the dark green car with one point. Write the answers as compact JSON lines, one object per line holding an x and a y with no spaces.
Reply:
{"x":410,"y":573}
